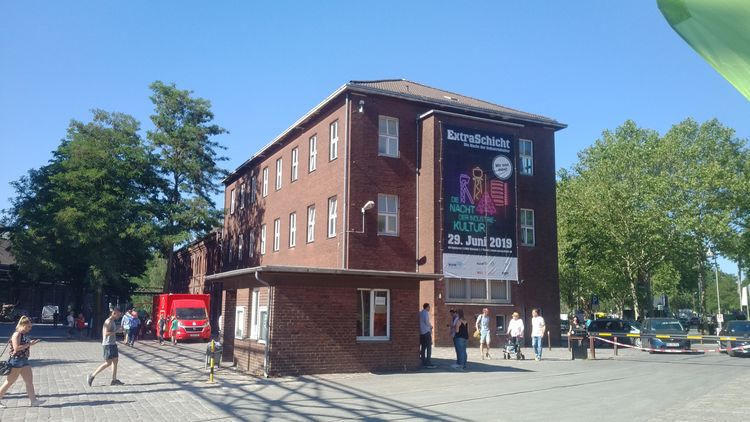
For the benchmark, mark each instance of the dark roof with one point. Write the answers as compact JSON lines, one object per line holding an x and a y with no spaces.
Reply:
{"x":411,"y":91}
{"x":416,"y":91}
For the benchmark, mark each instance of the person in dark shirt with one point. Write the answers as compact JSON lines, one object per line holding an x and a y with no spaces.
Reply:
{"x":462,"y":337}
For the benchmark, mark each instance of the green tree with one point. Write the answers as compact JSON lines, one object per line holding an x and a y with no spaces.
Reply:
{"x":87,"y":217}
{"x":706,"y":167}
{"x":188,"y":164}
{"x":607,"y":214}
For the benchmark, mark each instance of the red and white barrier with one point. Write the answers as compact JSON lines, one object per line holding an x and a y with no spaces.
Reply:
{"x":648,"y":349}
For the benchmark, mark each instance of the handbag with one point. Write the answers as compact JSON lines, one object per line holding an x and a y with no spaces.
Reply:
{"x":4,"y":365}
{"x":477,"y":334}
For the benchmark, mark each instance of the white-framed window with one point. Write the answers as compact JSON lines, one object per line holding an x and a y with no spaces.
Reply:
{"x":312,"y":162}
{"x":279,"y":171}
{"x":311,"y":224}
{"x":478,"y":291}
{"x":265,"y":181}
{"x":373,"y":314}
{"x":276,"y":234}
{"x":232,"y":201}
{"x":263,"y":239}
{"x":239,"y":322}
{"x":254,"y":311}
{"x":240,"y":242}
{"x":333,"y":151}
{"x":295,"y":163}
{"x":242,"y":196}
{"x":292,"y":229}
{"x":527,"y":227}
{"x":251,"y":245}
{"x":388,"y":136}
{"x":526,"y":156}
{"x":262,"y":324}
{"x":388,"y":214}
{"x":332,"y":216}
{"x":253,"y":187}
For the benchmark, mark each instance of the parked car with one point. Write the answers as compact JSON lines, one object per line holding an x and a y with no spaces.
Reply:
{"x":736,"y":329}
{"x":663,"y":327}
{"x":610,"y":325}
{"x":635,"y":328}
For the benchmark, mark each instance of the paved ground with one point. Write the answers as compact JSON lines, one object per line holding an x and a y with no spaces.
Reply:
{"x":168,"y":383}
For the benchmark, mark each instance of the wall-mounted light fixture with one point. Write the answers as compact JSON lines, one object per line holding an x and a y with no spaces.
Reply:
{"x":368,"y":205}
{"x":361,"y":109}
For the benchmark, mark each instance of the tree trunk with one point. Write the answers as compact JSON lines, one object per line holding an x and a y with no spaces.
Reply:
{"x":634,"y":296}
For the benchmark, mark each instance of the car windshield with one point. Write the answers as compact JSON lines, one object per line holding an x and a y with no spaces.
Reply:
{"x":739,"y":327}
{"x":667,"y":325}
{"x":191,"y":313}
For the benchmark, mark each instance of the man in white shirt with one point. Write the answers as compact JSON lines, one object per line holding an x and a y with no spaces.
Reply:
{"x":425,"y":336}
{"x":537,"y":333}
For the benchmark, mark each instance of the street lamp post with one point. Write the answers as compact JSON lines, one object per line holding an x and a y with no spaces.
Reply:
{"x":710,"y":254}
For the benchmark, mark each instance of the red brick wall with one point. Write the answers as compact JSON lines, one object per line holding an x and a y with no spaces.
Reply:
{"x":310,"y":188}
{"x":314,"y":329}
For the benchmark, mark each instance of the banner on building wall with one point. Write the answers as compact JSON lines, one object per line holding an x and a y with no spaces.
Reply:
{"x":479,"y":193}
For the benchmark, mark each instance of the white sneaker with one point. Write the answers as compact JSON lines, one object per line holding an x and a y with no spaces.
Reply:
{"x":36,"y":403}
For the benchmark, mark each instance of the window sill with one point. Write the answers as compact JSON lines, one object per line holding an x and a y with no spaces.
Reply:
{"x":389,"y":155}
{"x":366,"y":340}
{"x":388,"y":234}
{"x":476,"y":302}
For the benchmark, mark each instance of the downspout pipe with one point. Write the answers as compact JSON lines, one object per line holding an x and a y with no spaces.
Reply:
{"x":345,"y":205}
{"x":268,"y":323}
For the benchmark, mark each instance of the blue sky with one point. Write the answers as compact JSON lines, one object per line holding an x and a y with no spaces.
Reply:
{"x":589,"y":64}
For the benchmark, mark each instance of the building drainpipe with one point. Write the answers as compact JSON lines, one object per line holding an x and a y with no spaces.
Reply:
{"x":345,"y":205}
{"x":418,"y":166}
{"x":268,"y":323}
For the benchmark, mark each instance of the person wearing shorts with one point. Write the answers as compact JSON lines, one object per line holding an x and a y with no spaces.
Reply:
{"x":20,"y":345}
{"x":109,"y":345}
{"x":483,"y":326}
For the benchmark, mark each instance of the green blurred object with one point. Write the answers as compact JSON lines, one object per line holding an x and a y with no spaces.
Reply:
{"x":719,"y":30}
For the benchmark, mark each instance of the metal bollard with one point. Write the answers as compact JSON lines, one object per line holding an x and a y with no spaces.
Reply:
{"x":615,"y":346}
{"x":211,"y":373}
{"x":591,"y":345}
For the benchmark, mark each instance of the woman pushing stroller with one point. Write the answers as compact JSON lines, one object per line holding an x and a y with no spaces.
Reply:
{"x":515,"y":332}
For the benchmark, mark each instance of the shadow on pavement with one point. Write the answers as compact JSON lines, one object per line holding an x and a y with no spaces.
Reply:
{"x":268,"y":398}
{"x":87,"y":403}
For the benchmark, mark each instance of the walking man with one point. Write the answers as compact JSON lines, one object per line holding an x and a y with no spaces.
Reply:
{"x":175,"y":326}
{"x":162,"y":326}
{"x":425,"y":336}
{"x":537,"y":333}
{"x":110,"y":349}
{"x":134,"y":327}
{"x":483,"y":326}
{"x":125,"y":324}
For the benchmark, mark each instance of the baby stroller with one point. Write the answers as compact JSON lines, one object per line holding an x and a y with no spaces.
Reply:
{"x":512,"y":349}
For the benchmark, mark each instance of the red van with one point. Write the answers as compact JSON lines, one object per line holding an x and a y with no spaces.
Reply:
{"x":191,"y":312}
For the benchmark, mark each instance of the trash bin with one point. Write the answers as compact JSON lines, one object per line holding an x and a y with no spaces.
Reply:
{"x":579,"y":344}
{"x":216,"y":354}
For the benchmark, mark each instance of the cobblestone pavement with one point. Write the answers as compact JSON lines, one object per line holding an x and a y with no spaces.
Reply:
{"x":168,"y":383}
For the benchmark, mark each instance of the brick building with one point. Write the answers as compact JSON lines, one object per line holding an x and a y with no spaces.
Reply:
{"x":386,"y":195}
{"x":190,"y":266}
